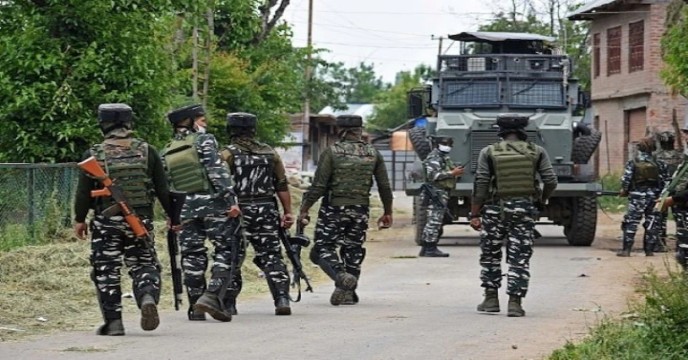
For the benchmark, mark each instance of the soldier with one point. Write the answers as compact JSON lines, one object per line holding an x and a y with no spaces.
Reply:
{"x":136,"y":167}
{"x":672,"y":158}
{"x":440,"y":176}
{"x":642,"y":181}
{"x":343,"y":178}
{"x":210,"y":210}
{"x":259,"y":175}
{"x":505,"y":204}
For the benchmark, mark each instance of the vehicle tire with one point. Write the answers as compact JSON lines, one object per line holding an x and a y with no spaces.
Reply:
{"x":581,"y":231}
{"x":584,"y":146}
{"x":420,"y":217}
{"x":420,"y":142}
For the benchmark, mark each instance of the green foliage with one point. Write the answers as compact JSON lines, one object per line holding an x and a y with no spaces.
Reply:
{"x":675,"y":52}
{"x":391,"y":105}
{"x":335,"y":85}
{"x":612,"y":203}
{"x":655,"y":329}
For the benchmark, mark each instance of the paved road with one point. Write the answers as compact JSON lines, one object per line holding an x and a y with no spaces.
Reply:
{"x":411,"y":308}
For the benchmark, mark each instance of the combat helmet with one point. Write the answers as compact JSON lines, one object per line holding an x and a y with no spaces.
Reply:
{"x":512,"y":123}
{"x":187,"y":112}
{"x":113,"y":116}
{"x":241,"y":120}
{"x":349,"y":121}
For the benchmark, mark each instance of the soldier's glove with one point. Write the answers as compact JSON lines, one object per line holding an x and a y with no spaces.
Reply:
{"x":476,"y":224}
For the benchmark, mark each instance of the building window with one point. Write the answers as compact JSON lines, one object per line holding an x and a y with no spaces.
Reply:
{"x":614,"y":50}
{"x":596,"y":55}
{"x":636,"y":42}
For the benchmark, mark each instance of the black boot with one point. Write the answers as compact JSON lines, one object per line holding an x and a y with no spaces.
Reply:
{"x":113,"y":327}
{"x":660,"y":246}
{"x":280,"y":293}
{"x":515,"y":309}
{"x":209,"y":303}
{"x":191,"y":313}
{"x":491,"y":301}
{"x":350,"y":298}
{"x":344,"y":282}
{"x":431,"y":250}
{"x":626,"y":250}
{"x":149,"y":313}
{"x":282,"y":306}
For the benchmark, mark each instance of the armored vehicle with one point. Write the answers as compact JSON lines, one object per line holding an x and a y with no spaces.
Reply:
{"x":517,"y":73}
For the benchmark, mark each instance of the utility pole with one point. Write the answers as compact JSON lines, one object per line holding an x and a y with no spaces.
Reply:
{"x":305,"y":122}
{"x":439,"y":49}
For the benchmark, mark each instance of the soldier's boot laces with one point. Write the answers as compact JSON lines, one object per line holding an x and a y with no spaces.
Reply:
{"x":515,"y":309}
{"x":282,"y":306}
{"x":432,"y":251}
{"x":350,"y":298}
{"x":491,"y":301}
{"x":149,"y":313}
{"x":111,"y":328}
{"x":209,"y":303}
{"x":343,"y":282}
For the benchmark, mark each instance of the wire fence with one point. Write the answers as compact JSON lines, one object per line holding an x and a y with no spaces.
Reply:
{"x":33,"y":197}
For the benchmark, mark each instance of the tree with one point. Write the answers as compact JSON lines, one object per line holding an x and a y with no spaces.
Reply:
{"x":674,"y":50}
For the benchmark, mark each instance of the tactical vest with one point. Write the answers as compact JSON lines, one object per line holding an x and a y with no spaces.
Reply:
{"x":646,"y":173}
{"x":448,"y":183}
{"x":352,"y":173}
{"x":514,"y":166}
{"x":126,"y":163}
{"x":671,"y":158}
{"x":184,"y":168}
{"x":253,"y":172}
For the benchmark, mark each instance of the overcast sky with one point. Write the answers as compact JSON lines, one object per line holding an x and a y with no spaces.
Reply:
{"x":395,"y":35}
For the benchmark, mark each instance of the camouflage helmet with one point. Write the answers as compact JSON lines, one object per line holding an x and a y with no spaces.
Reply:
{"x":186,"y":112}
{"x":241,"y":120}
{"x":349,"y":121}
{"x":113,"y":116}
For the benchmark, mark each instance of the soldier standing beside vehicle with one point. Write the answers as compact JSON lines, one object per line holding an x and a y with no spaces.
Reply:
{"x":642,"y":181}
{"x":210,"y":210}
{"x":343,"y":179}
{"x":440,"y":178}
{"x":259,"y":175}
{"x":504,"y":207}
{"x":672,"y":158}
{"x":137,"y":169}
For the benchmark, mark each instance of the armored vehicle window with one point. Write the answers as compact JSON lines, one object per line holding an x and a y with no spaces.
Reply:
{"x":536,"y":93}
{"x":473,"y":93}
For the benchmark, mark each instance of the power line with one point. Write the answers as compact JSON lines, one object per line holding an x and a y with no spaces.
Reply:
{"x":370,"y":45}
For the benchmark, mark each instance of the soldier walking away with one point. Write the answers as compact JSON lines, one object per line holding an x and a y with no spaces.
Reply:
{"x":259,"y":175}
{"x":642,"y":181}
{"x":136,"y":168}
{"x":504,"y":206}
{"x":440,"y":179}
{"x":210,"y":210}
{"x":672,"y":158}
{"x":343,"y":179}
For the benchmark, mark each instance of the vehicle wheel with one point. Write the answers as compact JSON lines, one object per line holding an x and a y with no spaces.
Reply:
{"x":420,"y":142}
{"x":420,"y":216}
{"x":581,"y":231}
{"x":584,"y":146}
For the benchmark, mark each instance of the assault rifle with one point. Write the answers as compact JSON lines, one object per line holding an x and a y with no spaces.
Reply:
{"x":92,"y":168}
{"x":433,"y":196}
{"x":176,"y":203}
{"x":293,"y":245}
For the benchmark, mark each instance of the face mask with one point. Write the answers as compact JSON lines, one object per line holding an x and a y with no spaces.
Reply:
{"x":444,"y":148}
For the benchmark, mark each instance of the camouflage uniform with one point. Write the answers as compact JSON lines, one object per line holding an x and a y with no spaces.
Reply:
{"x":437,"y":167}
{"x":259,"y":175}
{"x":343,"y":178}
{"x":642,"y":191}
{"x":136,"y":167}
{"x":678,"y":190}
{"x":672,"y":158}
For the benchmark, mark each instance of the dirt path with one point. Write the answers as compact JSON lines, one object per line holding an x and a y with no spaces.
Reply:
{"x":411,"y":308}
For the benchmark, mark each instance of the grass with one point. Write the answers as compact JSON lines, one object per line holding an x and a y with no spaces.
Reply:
{"x":655,"y":328}
{"x":46,"y":288}
{"x":611,"y":203}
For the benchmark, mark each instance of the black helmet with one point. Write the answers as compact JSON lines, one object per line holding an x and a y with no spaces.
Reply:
{"x":443,"y":140}
{"x":666,"y":137}
{"x":347,"y":121}
{"x":186,"y":112}
{"x":512,"y":121}
{"x":113,"y":116}
{"x":241,"y":120}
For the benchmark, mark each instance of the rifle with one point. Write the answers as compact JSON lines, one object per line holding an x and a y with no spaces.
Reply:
{"x":176,"y":203}
{"x":435,"y":198}
{"x":92,"y":168}
{"x":607,"y":193}
{"x":292,"y":246}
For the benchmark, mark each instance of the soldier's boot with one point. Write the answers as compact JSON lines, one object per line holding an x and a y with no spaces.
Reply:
{"x":626,"y":249}
{"x":280,"y":293}
{"x":350,"y":298}
{"x":343,"y":282}
{"x":149,"y":313}
{"x":490,"y":302}
{"x":431,"y":250}
{"x":113,"y":327}
{"x":515,"y":309}
{"x":210,"y":301}
{"x":193,"y":314}
{"x":230,"y":305}
{"x":660,"y":246}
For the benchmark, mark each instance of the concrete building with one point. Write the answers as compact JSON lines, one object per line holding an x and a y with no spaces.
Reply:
{"x":629,"y":99}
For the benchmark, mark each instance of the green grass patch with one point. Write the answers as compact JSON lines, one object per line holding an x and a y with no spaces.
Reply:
{"x":611,"y":203}
{"x":655,"y":328}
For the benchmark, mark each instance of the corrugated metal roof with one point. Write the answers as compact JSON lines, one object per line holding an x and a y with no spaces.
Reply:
{"x":590,"y":7}
{"x":498,"y":36}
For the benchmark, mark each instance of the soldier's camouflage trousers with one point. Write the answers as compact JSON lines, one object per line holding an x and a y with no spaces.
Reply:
{"x":112,"y":240}
{"x":221,"y":233}
{"x":681,"y":217}
{"x":342,"y":227}
{"x":640,"y":205}
{"x":261,"y":229}
{"x":514,"y":223}
{"x":435,"y":217}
